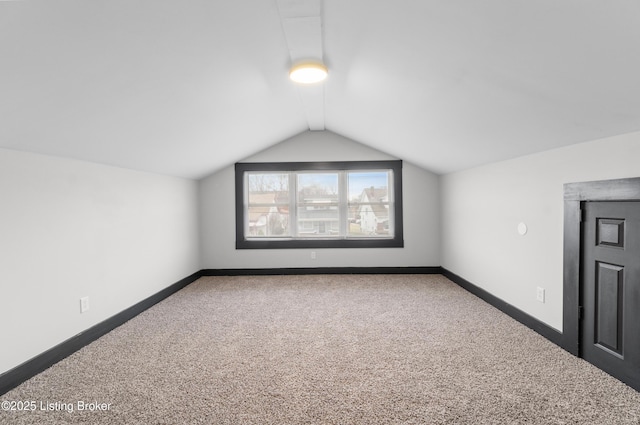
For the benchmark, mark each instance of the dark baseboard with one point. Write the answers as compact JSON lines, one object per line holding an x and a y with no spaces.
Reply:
{"x":529,"y":321}
{"x":30,"y":368}
{"x":322,"y":270}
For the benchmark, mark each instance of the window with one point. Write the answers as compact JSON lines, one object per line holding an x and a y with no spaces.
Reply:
{"x":319,"y":205}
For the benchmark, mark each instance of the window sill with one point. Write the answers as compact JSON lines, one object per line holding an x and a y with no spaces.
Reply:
{"x":320,"y":243}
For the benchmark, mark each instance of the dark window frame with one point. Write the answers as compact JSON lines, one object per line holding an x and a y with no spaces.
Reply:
{"x":243,"y":243}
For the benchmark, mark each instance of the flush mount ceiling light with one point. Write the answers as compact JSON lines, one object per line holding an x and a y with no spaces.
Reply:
{"x":308,"y":72}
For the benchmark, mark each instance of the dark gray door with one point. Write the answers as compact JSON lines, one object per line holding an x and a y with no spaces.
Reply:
{"x":610,"y":328}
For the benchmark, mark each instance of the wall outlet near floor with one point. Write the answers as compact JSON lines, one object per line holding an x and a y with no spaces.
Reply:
{"x":540,"y":294}
{"x":84,"y":304}
{"x":313,"y":255}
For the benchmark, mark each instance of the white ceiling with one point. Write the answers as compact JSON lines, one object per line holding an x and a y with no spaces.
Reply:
{"x":186,"y":87}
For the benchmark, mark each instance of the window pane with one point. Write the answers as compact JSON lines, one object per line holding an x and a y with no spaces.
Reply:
{"x":318,"y":196}
{"x":268,"y":209}
{"x":268,"y":221}
{"x":369,"y":220}
{"x":318,"y":221}
{"x":268,"y":188}
{"x":369,"y":204}
{"x":359,"y":181}
{"x":317,"y":188}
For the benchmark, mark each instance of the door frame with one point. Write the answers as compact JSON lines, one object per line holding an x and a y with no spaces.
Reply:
{"x":575,"y":195}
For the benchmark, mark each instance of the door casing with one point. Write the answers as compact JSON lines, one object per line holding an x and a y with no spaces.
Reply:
{"x":575,"y":194}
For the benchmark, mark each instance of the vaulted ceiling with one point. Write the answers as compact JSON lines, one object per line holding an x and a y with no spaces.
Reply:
{"x":186,"y":87}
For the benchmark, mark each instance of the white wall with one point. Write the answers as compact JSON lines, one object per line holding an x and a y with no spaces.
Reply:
{"x":70,"y":229}
{"x":482,"y":207}
{"x":421,"y":213}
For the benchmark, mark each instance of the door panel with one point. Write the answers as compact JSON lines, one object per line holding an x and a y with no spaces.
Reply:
{"x":610,"y":232}
{"x":608,"y":306}
{"x":610,"y":327}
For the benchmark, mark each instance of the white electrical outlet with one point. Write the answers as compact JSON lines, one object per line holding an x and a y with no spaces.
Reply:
{"x":313,"y":255}
{"x":84,"y":304}
{"x":540,"y":294}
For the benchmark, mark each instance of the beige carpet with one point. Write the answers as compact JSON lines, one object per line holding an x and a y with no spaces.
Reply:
{"x":348,"y":349}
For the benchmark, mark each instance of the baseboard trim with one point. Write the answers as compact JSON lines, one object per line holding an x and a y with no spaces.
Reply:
{"x":321,"y":270}
{"x":529,"y":321}
{"x":16,"y":376}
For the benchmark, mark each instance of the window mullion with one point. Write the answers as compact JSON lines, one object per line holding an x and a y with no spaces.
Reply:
{"x":391,"y":200}
{"x":343,"y":209}
{"x":293,"y":204}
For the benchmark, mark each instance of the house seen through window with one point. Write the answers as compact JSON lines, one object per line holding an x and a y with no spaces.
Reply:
{"x":336,"y":204}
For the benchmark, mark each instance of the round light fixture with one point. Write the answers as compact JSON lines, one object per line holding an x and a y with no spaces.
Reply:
{"x":308,"y":72}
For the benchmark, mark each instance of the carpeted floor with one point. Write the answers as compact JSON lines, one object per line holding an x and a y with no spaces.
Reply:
{"x":348,"y":349}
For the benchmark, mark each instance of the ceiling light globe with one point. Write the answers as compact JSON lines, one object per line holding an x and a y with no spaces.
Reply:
{"x":308,"y":73}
